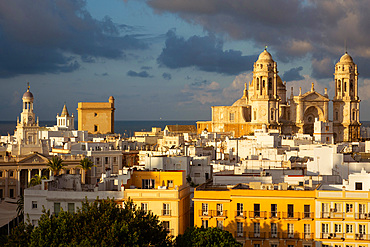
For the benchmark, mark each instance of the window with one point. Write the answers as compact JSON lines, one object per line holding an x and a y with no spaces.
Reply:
{"x":256,"y":245}
{"x":353,"y":115}
{"x":257,"y":210}
{"x":232,"y":117}
{"x":166,"y":209}
{"x":239,"y":208}
{"x":349,"y":208}
{"x":307,"y":211}
{"x":114,"y":160}
{"x":95,"y":114}
{"x":290,"y":210}
{"x":56,"y":208}
{"x":97,"y":161}
{"x":273,"y":210}
{"x":34,"y":204}
{"x":11,"y":195}
{"x":106,"y":160}
{"x":220,"y":224}
{"x":205,"y":223}
{"x":273,"y":245}
{"x":196,"y":174}
{"x":325,"y":228}
{"x":361,"y":208}
{"x":349,"y":228}
{"x":362,"y":229}
{"x":336,"y":116}
{"x":11,"y":174}
{"x":337,"y":228}
{"x":148,"y":184}
{"x":166,"y":225}
{"x":71,"y":208}
{"x":204,"y":208}
{"x":144,"y":207}
{"x":256,"y":227}
{"x":358,"y":186}
{"x":1,"y":174}
{"x":95,"y":128}
{"x":338,"y":207}
{"x":170,"y":183}
{"x":290,"y":229}
{"x":220,"y":209}
{"x":307,"y":230}
{"x":325,"y":209}
{"x":326,"y":128}
{"x":239,"y":229}
{"x":273,"y":230}
{"x":254,"y":115}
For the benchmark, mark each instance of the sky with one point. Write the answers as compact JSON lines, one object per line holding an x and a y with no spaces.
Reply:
{"x":171,"y":59}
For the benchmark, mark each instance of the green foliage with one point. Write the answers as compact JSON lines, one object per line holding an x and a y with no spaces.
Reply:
{"x":86,"y":164}
{"x":20,"y":235}
{"x":35,"y":180}
{"x":55,"y":164}
{"x":101,"y":223}
{"x":20,"y":206}
{"x":206,"y":237}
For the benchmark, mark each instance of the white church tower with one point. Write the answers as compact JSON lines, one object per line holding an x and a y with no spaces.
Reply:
{"x":65,"y":121}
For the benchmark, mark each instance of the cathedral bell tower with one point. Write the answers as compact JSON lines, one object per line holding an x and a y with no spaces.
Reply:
{"x":346,"y":103}
{"x":263,"y":91}
{"x":27,"y":115}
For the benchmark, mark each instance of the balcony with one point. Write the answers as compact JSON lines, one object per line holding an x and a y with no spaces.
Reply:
{"x":166,"y":212}
{"x":290,"y":235}
{"x":307,"y":215}
{"x":275,"y":215}
{"x":257,"y":235}
{"x":274,"y":235}
{"x":240,"y":235}
{"x":258,"y":214}
{"x":337,"y":215}
{"x":290,"y":215}
{"x":241,"y":214}
{"x":362,"y":216}
{"x":307,"y":236}
{"x":360,"y":236}
{"x":213,"y":213}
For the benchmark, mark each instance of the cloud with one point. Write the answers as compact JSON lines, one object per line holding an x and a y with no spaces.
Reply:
{"x":322,"y":68}
{"x":293,"y":74}
{"x":201,"y":91}
{"x":102,"y":74}
{"x":204,"y":53}
{"x":292,"y":28}
{"x":142,"y":74}
{"x":167,"y":76}
{"x":146,"y":68}
{"x":46,"y":36}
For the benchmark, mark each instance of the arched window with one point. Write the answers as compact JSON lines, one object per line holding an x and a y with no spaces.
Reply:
{"x":353,"y":115}
{"x":342,"y":68}
{"x":263,"y":83}
{"x":345,"y":86}
{"x":270,"y":84}
{"x":258,"y":83}
{"x":351,"y":86}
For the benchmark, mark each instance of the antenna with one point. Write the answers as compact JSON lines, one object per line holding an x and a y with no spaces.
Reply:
{"x":345,"y":44}
{"x":28,"y":85}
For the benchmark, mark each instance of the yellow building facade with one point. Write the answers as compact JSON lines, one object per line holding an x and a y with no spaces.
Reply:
{"x":164,"y":193}
{"x":343,"y":218}
{"x":96,"y":117}
{"x":258,"y":218}
{"x":278,"y":217}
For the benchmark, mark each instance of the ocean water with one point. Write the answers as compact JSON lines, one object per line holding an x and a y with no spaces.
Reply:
{"x":125,"y":128}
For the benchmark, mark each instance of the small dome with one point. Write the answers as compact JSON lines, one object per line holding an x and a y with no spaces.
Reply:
{"x":28,"y":94}
{"x":346,"y":58}
{"x":265,"y":56}
{"x":64,"y":112}
{"x":240,"y":102}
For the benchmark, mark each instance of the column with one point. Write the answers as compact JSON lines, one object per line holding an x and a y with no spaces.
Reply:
{"x":18,"y":171}
{"x":326,"y":109}
{"x":29,"y":176}
{"x":40,"y":172}
{"x":6,"y":194}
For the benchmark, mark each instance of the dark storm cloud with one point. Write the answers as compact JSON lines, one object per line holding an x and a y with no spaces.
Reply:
{"x":167,"y":76}
{"x":293,"y":74}
{"x":291,"y":28}
{"x":205,"y":53}
{"x":142,"y":74}
{"x":146,"y":68}
{"x":36,"y":36}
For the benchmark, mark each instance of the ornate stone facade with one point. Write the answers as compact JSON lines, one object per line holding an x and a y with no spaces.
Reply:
{"x":264,"y":101}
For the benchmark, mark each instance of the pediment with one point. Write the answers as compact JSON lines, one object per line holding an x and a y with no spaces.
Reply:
{"x":313,"y":96}
{"x":34,"y":158}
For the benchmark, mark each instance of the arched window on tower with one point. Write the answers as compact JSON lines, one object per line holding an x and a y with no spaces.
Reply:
{"x":270,"y":84}
{"x":353,"y":115}
{"x":343,"y":68}
{"x":351,"y":86}
{"x":345,"y":86}
{"x":258,"y":83}
{"x":263,"y":84}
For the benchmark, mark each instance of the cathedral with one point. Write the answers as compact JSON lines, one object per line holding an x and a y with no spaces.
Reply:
{"x":265,"y":101}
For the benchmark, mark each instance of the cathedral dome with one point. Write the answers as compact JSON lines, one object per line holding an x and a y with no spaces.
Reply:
{"x":346,"y":58}
{"x":265,"y":56}
{"x":240,"y":102}
{"x":28,"y":94}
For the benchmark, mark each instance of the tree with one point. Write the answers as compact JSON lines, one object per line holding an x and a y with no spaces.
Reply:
{"x":35,"y":180}
{"x":101,"y":223}
{"x":86,"y":164}
{"x":206,"y":237}
{"x":20,"y":206}
{"x":55,"y":164}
